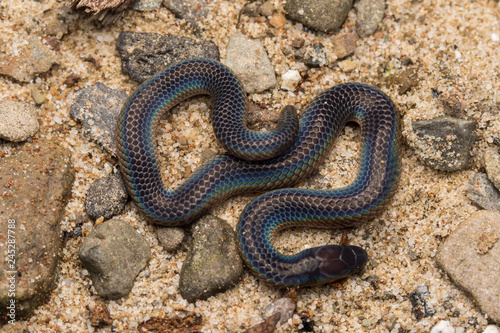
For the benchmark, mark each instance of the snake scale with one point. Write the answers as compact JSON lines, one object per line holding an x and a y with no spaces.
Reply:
{"x":284,"y":156}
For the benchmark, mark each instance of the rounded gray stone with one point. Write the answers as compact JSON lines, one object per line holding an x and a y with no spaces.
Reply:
{"x":370,"y":15}
{"x":106,"y":197}
{"x":170,"y":238}
{"x":321,"y":15}
{"x":18,"y":120}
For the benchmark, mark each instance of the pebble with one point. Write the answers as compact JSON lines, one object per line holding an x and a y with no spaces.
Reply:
{"x":443,"y":326}
{"x":277,"y":21}
{"x":161,"y":50}
{"x":321,"y":15}
{"x":248,"y":59}
{"x":418,"y":299}
{"x":491,"y":329}
{"x":213,"y":264}
{"x":344,"y":44}
{"x":170,"y":238}
{"x":370,"y":14}
{"x":36,"y":203}
{"x":253,"y":9}
{"x":18,"y":120}
{"x":290,"y":80}
{"x":106,"y":197}
{"x":284,"y":305}
{"x":114,"y":254}
{"x":317,"y":57}
{"x":98,"y":107}
{"x":482,"y":192}
{"x":267,"y":9}
{"x":38,"y":96}
{"x":33,"y":59}
{"x":193,"y":11}
{"x":267,"y":326}
{"x":470,"y":257}
{"x":444,"y":143}
{"x":347,"y":65}
{"x":147,"y":5}
{"x":492,"y":165}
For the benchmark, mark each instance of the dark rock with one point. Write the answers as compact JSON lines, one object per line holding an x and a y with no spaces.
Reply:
{"x":170,"y":238}
{"x":33,"y":59}
{"x":370,"y":15}
{"x":483,"y":193}
{"x":317,"y":57}
{"x":445,"y":143}
{"x":252,"y":9}
{"x":418,"y":300}
{"x":193,"y":11}
{"x":406,"y":80}
{"x":321,"y":15}
{"x":146,"y":54}
{"x":18,"y":120}
{"x":248,"y":59}
{"x":471,"y":258}
{"x":114,"y":254}
{"x":106,"y":197}
{"x":213,"y":264}
{"x":98,"y":107}
{"x":36,"y":183}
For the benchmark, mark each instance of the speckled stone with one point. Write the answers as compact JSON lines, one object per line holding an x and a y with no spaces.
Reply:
{"x":106,"y":197}
{"x":317,"y":57}
{"x":492,"y":165}
{"x":283,"y":305}
{"x":471,"y":257}
{"x":370,"y":15}
{"x":213,"y":264}
{"x":443,"y":326}
{"x":98,"y":107}
{"x":18,"y":120}
{"x":147,"y":5}
{"x":482,"y":192}
{"x":114,"y":254}
{"x":321,"y":15}
{"x":344,"y":44}
{"x":248,"y":59}
{"x":170,"y":238}
{"x":193,"y":11}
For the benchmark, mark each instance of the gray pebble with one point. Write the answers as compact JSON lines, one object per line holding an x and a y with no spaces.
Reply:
{"x":114,"y":254}
{"x":321,"y":15}
{"x":483,"y":193}
{"x":145,"y":54}
{"x":170,"y":238}
{"x":98,"y":107}
{"x":445,"y":143}
{"x":193,"y":11}
{"x":370,"y":15}
{"x":213,"y":264}
{"x":248,"y":59}
{"x":419,"y":302}
{"x":147,"y":5}
{"x":106,"y":197}
{"x":317,"y":57}
{"x":18,"y":120}
{"x":471,"y":258}
{"x":344,"y":44}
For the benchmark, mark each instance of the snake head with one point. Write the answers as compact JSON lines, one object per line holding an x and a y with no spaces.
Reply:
{"x":338,"y":261}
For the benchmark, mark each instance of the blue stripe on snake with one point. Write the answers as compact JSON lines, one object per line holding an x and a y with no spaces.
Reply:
{"x":285,"y":156}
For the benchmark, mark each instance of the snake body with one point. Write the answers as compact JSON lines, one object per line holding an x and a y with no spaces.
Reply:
{"x":227,"y":175}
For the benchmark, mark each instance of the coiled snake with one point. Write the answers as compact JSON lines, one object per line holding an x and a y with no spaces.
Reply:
{"x":285,"y":156}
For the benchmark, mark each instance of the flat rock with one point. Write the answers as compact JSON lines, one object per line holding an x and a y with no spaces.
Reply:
{"x":370,"y":15}
{"x":31,"y":60}
{"x":482,"y":192}
{"x":317,"y":57}
{"x":471,"y":257}
{"x":492,"y":165}
{"x":114,"y":254}
{"x":193,"y":11}
{"x":213,"y":264}
{"x":98,"y":107}
{"x":146,"y":54}
{"x":106,"y":197}
{"x":36,"y":183}
{"x":444,"y":143}
{"x":248,"y":59}
{"x":321,"y":15}
{"x":18,"y":120}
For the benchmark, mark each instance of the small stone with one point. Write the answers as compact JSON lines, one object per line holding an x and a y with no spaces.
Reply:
{"x":290,"y":80}
{"x":278,"y":21}
{"x":483,"y":193}
{"x":248,"y":59}
{"x":98,"y":107}
{"x":193,"y":11}
{"x":298,"y":43}
{"x":38,"y":96}
{"x":406,"y":80}
{"x":443,"y":327}
{"x":445,"y":143}
{"x":170,"y":238}
{"x":344,"y":44}
{"x":475,"y":271}
{"x":114,"y":254}
{"x":491,"y":329}
{"x":161,"y":51}
{"x":147,"y":5}
{"x":321,"y":15}
{"x":284,"y":305}
{"x":18,"y":120}
{"x":213,"y":264}
{"x":106,"y":197}
{"x":267,"y":9}
{"x":72,"y":80}
{"x":451,"y":106}
{"x":56,"y":28}
{"x":99,"y":315}
{"x":253,"y":9}
{"x":317,"y":57}
{"x":418,"y":300}
{"x":347,"y":65}
{"x":492,"y":165}
{"x":370,"y":15}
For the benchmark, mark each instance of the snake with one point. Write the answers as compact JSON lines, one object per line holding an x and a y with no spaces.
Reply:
{"x":285,"y":156}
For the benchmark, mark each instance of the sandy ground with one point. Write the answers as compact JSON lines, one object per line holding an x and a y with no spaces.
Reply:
{"x":452,"y":50}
